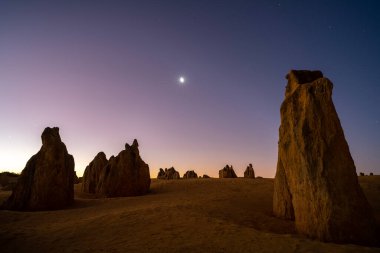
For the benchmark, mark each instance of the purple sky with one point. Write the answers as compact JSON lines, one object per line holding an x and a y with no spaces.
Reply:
{"x":107,"y":72}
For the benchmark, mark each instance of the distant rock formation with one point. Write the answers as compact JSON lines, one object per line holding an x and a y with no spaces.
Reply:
{"x":249,"y":172}
{"x":167,"y":174}
{"x":172,"y":173}
{"x":8,"y":180}
{"x":93,"y":172}
{"x":190,"y":174}
{"x":227,"y":172}
{"x":125,"y":175}
{"x":205,"y":176}
{"x":76,"y":178}
{"x":316,"y":182}
{"x":161,"y":174}
{"x":47,"y":181}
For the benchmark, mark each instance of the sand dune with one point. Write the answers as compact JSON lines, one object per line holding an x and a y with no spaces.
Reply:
{"x":195,"y":215}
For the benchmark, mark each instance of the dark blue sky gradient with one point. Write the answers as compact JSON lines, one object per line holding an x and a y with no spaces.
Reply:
{"x":106,"y":72}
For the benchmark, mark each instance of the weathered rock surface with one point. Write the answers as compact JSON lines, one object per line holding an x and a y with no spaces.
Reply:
{"x":170,"y":173}
{"x":47,"y":181}
{"x":93,"y":172}
{"x":190,"y":174}
{"x":125,"y":175}
{"x":316,"y":182}
{"x":227,"y":172}
{"x":249,"y":172}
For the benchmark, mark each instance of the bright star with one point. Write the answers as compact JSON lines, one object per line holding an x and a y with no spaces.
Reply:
{"x":181,"y":80}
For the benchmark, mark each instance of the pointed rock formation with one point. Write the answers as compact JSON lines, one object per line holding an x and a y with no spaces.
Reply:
{"x":47,"y":181}
{"x":316,"y":182}
{"x":249,"y":172}
{"x":227,"y":172}
{"x":170,"y":173}
{"x":190,"y":174}
{"x":93,"y":172}
{"x":161,"y":174}
{"x":125,"y":175}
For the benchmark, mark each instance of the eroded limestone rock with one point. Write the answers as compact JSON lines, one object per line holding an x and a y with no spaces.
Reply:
{"x":316,"y":182}
{"x":227,"y":172}
{"x":47,"y":181}
{"x":249,"y":172}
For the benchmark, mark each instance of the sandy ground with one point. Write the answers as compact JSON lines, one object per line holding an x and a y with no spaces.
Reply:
{"x":194,"y":215}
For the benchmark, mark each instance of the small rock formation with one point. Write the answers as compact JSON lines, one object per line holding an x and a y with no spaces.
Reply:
{"x":170,"y":173}
{"x":249,"y":172}
{"x":190,"y":174}
{"x":8,"y":180}
{"x":361,"y":174}
{"x":371,"y":174}
{"x":125,"y":175}
{"x":92,"y":173}
{"x":161,"y":174}
{"x":227,"y":172}
{"x":76,"y":178}
{"x":205,"y":176}
{"x":316,"y":182}
{"x":47,"y":181}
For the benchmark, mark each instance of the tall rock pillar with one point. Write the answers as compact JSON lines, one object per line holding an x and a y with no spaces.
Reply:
{"x":47,"y":181}
{"x":316,"y":182}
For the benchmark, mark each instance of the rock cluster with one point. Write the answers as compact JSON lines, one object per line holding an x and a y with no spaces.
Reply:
{"x":316,"y":182}
{"x":190,"y":174}
{"x":206,"y":176}
{"x":121,"y":176}
{"x":47,"y":181}
{"x":249,"y":172}
{"x":170,"y":173}
{"x":227,"y":172}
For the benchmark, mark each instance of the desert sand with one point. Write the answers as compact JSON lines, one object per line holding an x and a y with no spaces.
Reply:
{"x":194,"y":215}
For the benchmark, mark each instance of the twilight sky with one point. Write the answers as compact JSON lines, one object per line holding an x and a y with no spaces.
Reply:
{"x":107,"y":72}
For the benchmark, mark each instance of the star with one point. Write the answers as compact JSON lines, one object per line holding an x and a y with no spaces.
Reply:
{"x":181,"y":80}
